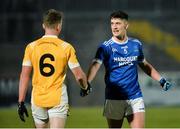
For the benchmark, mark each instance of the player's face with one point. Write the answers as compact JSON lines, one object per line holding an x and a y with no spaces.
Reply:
{"x":118,"y":27}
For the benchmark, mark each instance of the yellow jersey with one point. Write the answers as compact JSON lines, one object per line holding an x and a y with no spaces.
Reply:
{"x":49,"y":56}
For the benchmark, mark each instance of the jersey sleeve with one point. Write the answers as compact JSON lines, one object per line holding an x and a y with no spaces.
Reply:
{"x":27,"y":56}
{"x":72,"y":59}
{"x":100,"y":54}
{"x":141,"y":54}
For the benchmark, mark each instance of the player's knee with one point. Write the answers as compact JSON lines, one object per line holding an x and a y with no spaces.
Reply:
{"x":41,"y":123}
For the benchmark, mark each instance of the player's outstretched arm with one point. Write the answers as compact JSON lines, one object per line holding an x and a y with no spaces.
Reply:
{"x":82,"y":80}
{"x":23,"y":86}
{"x":93,"y":69}
{"x":91,"y":74}
{"x":152,"y":72}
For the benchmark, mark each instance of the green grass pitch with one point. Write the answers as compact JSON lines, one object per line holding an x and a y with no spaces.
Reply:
{"x":91,"y":117}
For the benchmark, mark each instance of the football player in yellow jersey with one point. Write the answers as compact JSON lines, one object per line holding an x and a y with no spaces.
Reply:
{"x":48,"y":58}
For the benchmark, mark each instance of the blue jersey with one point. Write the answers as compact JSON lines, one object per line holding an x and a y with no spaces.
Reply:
{"x":120,"y":61}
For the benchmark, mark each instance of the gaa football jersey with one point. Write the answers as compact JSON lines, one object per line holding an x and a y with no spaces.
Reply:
{"x":49,"y":56}
{"x":120,"y":61}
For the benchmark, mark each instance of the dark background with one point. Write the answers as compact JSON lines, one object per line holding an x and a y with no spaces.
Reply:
{"x":85,"y":25}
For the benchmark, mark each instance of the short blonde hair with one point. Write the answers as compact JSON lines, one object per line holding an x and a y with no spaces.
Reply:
{"x":52,"y":18}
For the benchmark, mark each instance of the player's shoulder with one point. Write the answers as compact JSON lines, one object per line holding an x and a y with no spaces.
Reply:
{"x":65,"y":44}
{"x":35,"y":42}
{"x":134,"y":40}
{"x":32,"y":44}
{"x":107,"y":43}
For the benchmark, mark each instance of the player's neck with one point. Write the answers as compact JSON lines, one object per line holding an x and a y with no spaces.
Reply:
{"x":120,"y":39}
{"x":51,"y":32}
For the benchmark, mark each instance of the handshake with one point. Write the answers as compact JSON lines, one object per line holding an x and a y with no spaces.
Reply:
{"x":166,"y":85}
{"x":84,"y":92}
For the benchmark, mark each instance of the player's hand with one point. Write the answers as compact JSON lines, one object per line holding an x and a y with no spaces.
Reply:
{"x":22,"y":110}
{"x":84,"y":93}
{"x":166,"y":85}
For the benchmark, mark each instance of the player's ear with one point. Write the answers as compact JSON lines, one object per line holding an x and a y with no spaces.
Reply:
{"x":127,"y":25}
{"x":59,"y":26}
{"x":43,"y":26}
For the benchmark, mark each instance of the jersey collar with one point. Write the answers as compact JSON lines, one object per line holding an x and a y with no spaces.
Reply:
{"x":120,"y":42}
{"x":50,"y":36}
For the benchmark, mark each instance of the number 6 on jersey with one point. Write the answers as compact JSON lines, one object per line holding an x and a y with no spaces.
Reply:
{"x":43,"y":65}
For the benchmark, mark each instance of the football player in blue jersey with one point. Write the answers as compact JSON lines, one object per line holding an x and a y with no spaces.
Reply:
{"x":121,"y":55}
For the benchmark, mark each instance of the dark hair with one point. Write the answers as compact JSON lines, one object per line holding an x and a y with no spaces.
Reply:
{"x":52,"y":17}
{"x":119,"y":14}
